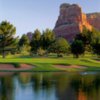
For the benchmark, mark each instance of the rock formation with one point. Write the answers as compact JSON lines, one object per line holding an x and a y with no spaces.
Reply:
{"x":72,"y":20}
{"x":94,"y":20}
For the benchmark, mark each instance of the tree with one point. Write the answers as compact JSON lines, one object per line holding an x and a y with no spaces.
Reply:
{"x":87,"y":37}
{"x":36,"y":41}
{"x":24,"y":43}
{"x":96,"y":46}
{"x":15,"y":50}
{"x":24,"y":40}
{"x":59,"y":46}
{"x":7,"y":39}
{"x":77,"y":48}
{"x":47,"y":38}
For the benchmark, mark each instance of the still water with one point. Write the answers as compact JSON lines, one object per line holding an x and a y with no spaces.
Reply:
{"x":50,"y":86}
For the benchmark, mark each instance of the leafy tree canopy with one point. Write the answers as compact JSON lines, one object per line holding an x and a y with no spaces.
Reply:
{"x":7,"y":38}
{"x":24,"y":40}
{"x":77,"y":48}
{"x":47,"y":38}
{"x":59,"y":46}
{"x":36,"y":41}
{"x":96,"y":46}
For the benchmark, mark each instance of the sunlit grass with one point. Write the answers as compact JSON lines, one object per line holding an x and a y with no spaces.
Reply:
{"x":47,"y":63}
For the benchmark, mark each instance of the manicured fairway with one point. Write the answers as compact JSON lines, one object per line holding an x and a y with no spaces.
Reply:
{"x":47,"y":63}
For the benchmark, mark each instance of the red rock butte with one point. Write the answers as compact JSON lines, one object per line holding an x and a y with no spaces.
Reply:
{"x":72,"y":20}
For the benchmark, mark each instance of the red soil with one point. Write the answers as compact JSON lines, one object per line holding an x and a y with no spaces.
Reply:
{"x":9,"y":67}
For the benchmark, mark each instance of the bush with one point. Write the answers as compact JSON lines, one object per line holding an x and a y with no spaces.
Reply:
{"x":41,"y":52}
{"x":16,"y":65}
{"x":96,"y":46}
{"x":77,"y":48}
{"x":60,"y":46}
{"x":60,"y":55}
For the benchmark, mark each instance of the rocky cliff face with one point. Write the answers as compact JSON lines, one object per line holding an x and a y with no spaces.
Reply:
{"x":70,"y":21}
{"x":94,"y":20}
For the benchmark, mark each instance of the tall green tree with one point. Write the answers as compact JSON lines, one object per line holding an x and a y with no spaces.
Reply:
{"x":77,"y":48}
{"x":96,"y":46}
{"x":60,"y":46}
{"x":7,"y":38}
{"x":24,"y":40}
{"x":36,"y":41}
{"x":87,"y":37}
{"x":47,"y":38}
{"x":24,"y":44}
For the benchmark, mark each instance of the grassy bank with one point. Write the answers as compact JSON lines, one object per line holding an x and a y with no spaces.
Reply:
{"x":47,"y":63}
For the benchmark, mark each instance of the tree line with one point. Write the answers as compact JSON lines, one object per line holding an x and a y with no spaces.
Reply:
{"x":43,"y":43}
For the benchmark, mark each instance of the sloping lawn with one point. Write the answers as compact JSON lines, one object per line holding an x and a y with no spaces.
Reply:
{"x":47,"y":64}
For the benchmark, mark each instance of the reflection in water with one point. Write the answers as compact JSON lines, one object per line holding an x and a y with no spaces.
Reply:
{"x":6,"y":88}
{"x":50,"y":86}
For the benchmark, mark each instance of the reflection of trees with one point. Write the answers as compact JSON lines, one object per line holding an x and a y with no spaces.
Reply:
{"x":42,"y":81}
{"x":62,"y":81}
{"x":64,"y":91}
{"x":86,"y":83}
{"x":67,"y":86}
{"x":6,"y":88}
{"x":87,"y":86}
{"x":77,"y":87}
{"x":24,"y":78}
{"x":36,"y":80}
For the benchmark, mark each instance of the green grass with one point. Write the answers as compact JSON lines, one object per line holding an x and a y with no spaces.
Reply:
{"x":47,"y":63}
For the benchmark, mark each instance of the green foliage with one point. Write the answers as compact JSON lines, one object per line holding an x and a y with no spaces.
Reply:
{"x":41,"y":52}
{"x":48,"y":63}
{"x":95,"y":41}
{"x":24,"y":47}
{"x":77,"y":48}
{"x":36,"y":41}
{"x":16,"y":65}
{"x":59,"y":46}
{"x":24,"y":40}
{"x":47,"y":38}
{"x":96,"y":46}
{"x":95,"y":35}
{"x":40,"y":43}
{"x":87,"y":37}
{"x":7,"y":40}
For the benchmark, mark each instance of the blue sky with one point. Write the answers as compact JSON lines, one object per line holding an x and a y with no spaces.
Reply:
{"x":27,"y":15}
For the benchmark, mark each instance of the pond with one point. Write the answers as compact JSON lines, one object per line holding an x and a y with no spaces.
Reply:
{"x":50,"y":86}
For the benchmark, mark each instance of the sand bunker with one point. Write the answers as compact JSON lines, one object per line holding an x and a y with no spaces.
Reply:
{"x":10,"y":67}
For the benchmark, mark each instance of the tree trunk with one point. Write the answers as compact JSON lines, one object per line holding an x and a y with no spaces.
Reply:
{"x":77,"y":56}
{"x":3,"y":50}
{"x":3,"y":53}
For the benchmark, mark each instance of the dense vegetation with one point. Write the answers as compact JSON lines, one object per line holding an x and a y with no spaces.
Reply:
{"x":44,"y":43}
{"x":7,"y":39}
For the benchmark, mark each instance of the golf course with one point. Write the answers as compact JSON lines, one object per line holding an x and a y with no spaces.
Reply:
{"x":52,"y":63}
